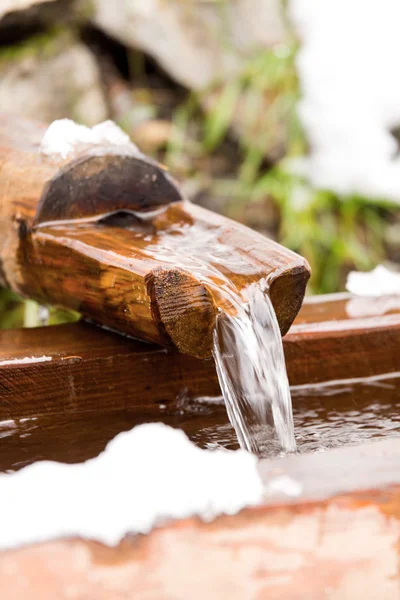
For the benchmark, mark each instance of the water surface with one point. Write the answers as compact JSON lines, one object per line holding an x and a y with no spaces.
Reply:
{"x":324,"y":417}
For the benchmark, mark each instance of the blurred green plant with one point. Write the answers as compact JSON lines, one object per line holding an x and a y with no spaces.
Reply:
{"x":40,"y":46}
{"x":11,"y":310}
{"x":19,"y":312}
{"x":259,"y":104}
{"x":336,"y":234}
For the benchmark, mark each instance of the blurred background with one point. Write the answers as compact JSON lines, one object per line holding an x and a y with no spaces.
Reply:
{"x":284,"y":115}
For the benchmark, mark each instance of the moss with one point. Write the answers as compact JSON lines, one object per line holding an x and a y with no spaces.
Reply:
{"x":41,"y":46}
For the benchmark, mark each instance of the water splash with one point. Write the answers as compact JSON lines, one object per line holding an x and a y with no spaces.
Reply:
{"x":248,"y":349}
{"x":251,"y":369}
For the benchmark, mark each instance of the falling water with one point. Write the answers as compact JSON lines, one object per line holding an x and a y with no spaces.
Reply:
{"x":248,"y":349}
{"x":251,"y":369}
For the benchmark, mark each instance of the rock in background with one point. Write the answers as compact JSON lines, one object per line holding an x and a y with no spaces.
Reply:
{"x":21,"y":18}
{"x":15,"y":9}
{"x":207,"y":46}
{"x":197,"y":42}
{"x":51,"y":74}
{"x":51,"y":77}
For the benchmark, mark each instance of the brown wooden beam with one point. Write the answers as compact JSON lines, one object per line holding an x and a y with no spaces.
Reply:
{"x":56,"y":247}
{"x":329,"y":350}
{"x":85,"y":368}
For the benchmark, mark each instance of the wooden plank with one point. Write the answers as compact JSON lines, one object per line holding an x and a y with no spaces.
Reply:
{"x":339,"y":307}
{"x":352,"y":348}
{"x":92,"y":368}
{"x":81,"y":367}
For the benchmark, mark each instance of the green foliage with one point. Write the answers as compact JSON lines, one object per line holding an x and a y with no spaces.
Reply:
{"x":219,"y":120}
{"x":334,"y":233}
{"x":11,"y":310}
{"x":18,"y":312}
{"x":262,"y":97}
{"x":40,"y":46}
{"x":260,"y":101}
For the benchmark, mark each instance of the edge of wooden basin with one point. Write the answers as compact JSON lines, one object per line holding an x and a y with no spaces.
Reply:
{"x":337,"y":543}
{"x":81,"y":367}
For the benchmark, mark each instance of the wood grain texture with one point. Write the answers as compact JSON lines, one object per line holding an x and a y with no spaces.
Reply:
{"x":346,"y":349}
{"x":162,"y":279}
{"x":105,"y":181}
{"x":92,"y":369}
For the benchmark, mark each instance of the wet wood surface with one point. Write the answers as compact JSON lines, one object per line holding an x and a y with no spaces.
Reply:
{"x":347,"y":349}
{"x":87,"y":368}
{"x":159,"y":278}
{"x":337,"y":543}
{"x":344,"y":306}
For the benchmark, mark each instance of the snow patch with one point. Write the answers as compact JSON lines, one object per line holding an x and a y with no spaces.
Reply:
{"x":143,"y":478}
{"x":379,"y":282}
{"x":64,"y":137}
{"x":283,"y":484}
{"x":25,"y":361}
{"x":347,"y":66}
{"x":360,"y":307}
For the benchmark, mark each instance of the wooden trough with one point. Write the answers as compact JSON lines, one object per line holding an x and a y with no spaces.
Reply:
{"x":338,"y":539}
{"x":106,"y":232}
{"x":339,"y":543}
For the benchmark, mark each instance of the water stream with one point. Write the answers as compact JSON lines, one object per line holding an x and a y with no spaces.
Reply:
{"x":247,"y":350}
{"x":251,"y":369}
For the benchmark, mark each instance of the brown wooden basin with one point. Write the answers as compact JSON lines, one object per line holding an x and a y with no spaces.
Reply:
{"x":66,"y":390}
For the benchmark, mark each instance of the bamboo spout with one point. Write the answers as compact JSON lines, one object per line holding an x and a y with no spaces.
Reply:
{"x":109,"y":235}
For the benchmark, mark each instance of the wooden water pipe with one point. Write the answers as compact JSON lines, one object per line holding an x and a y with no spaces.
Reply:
{"x":108,"y":234}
